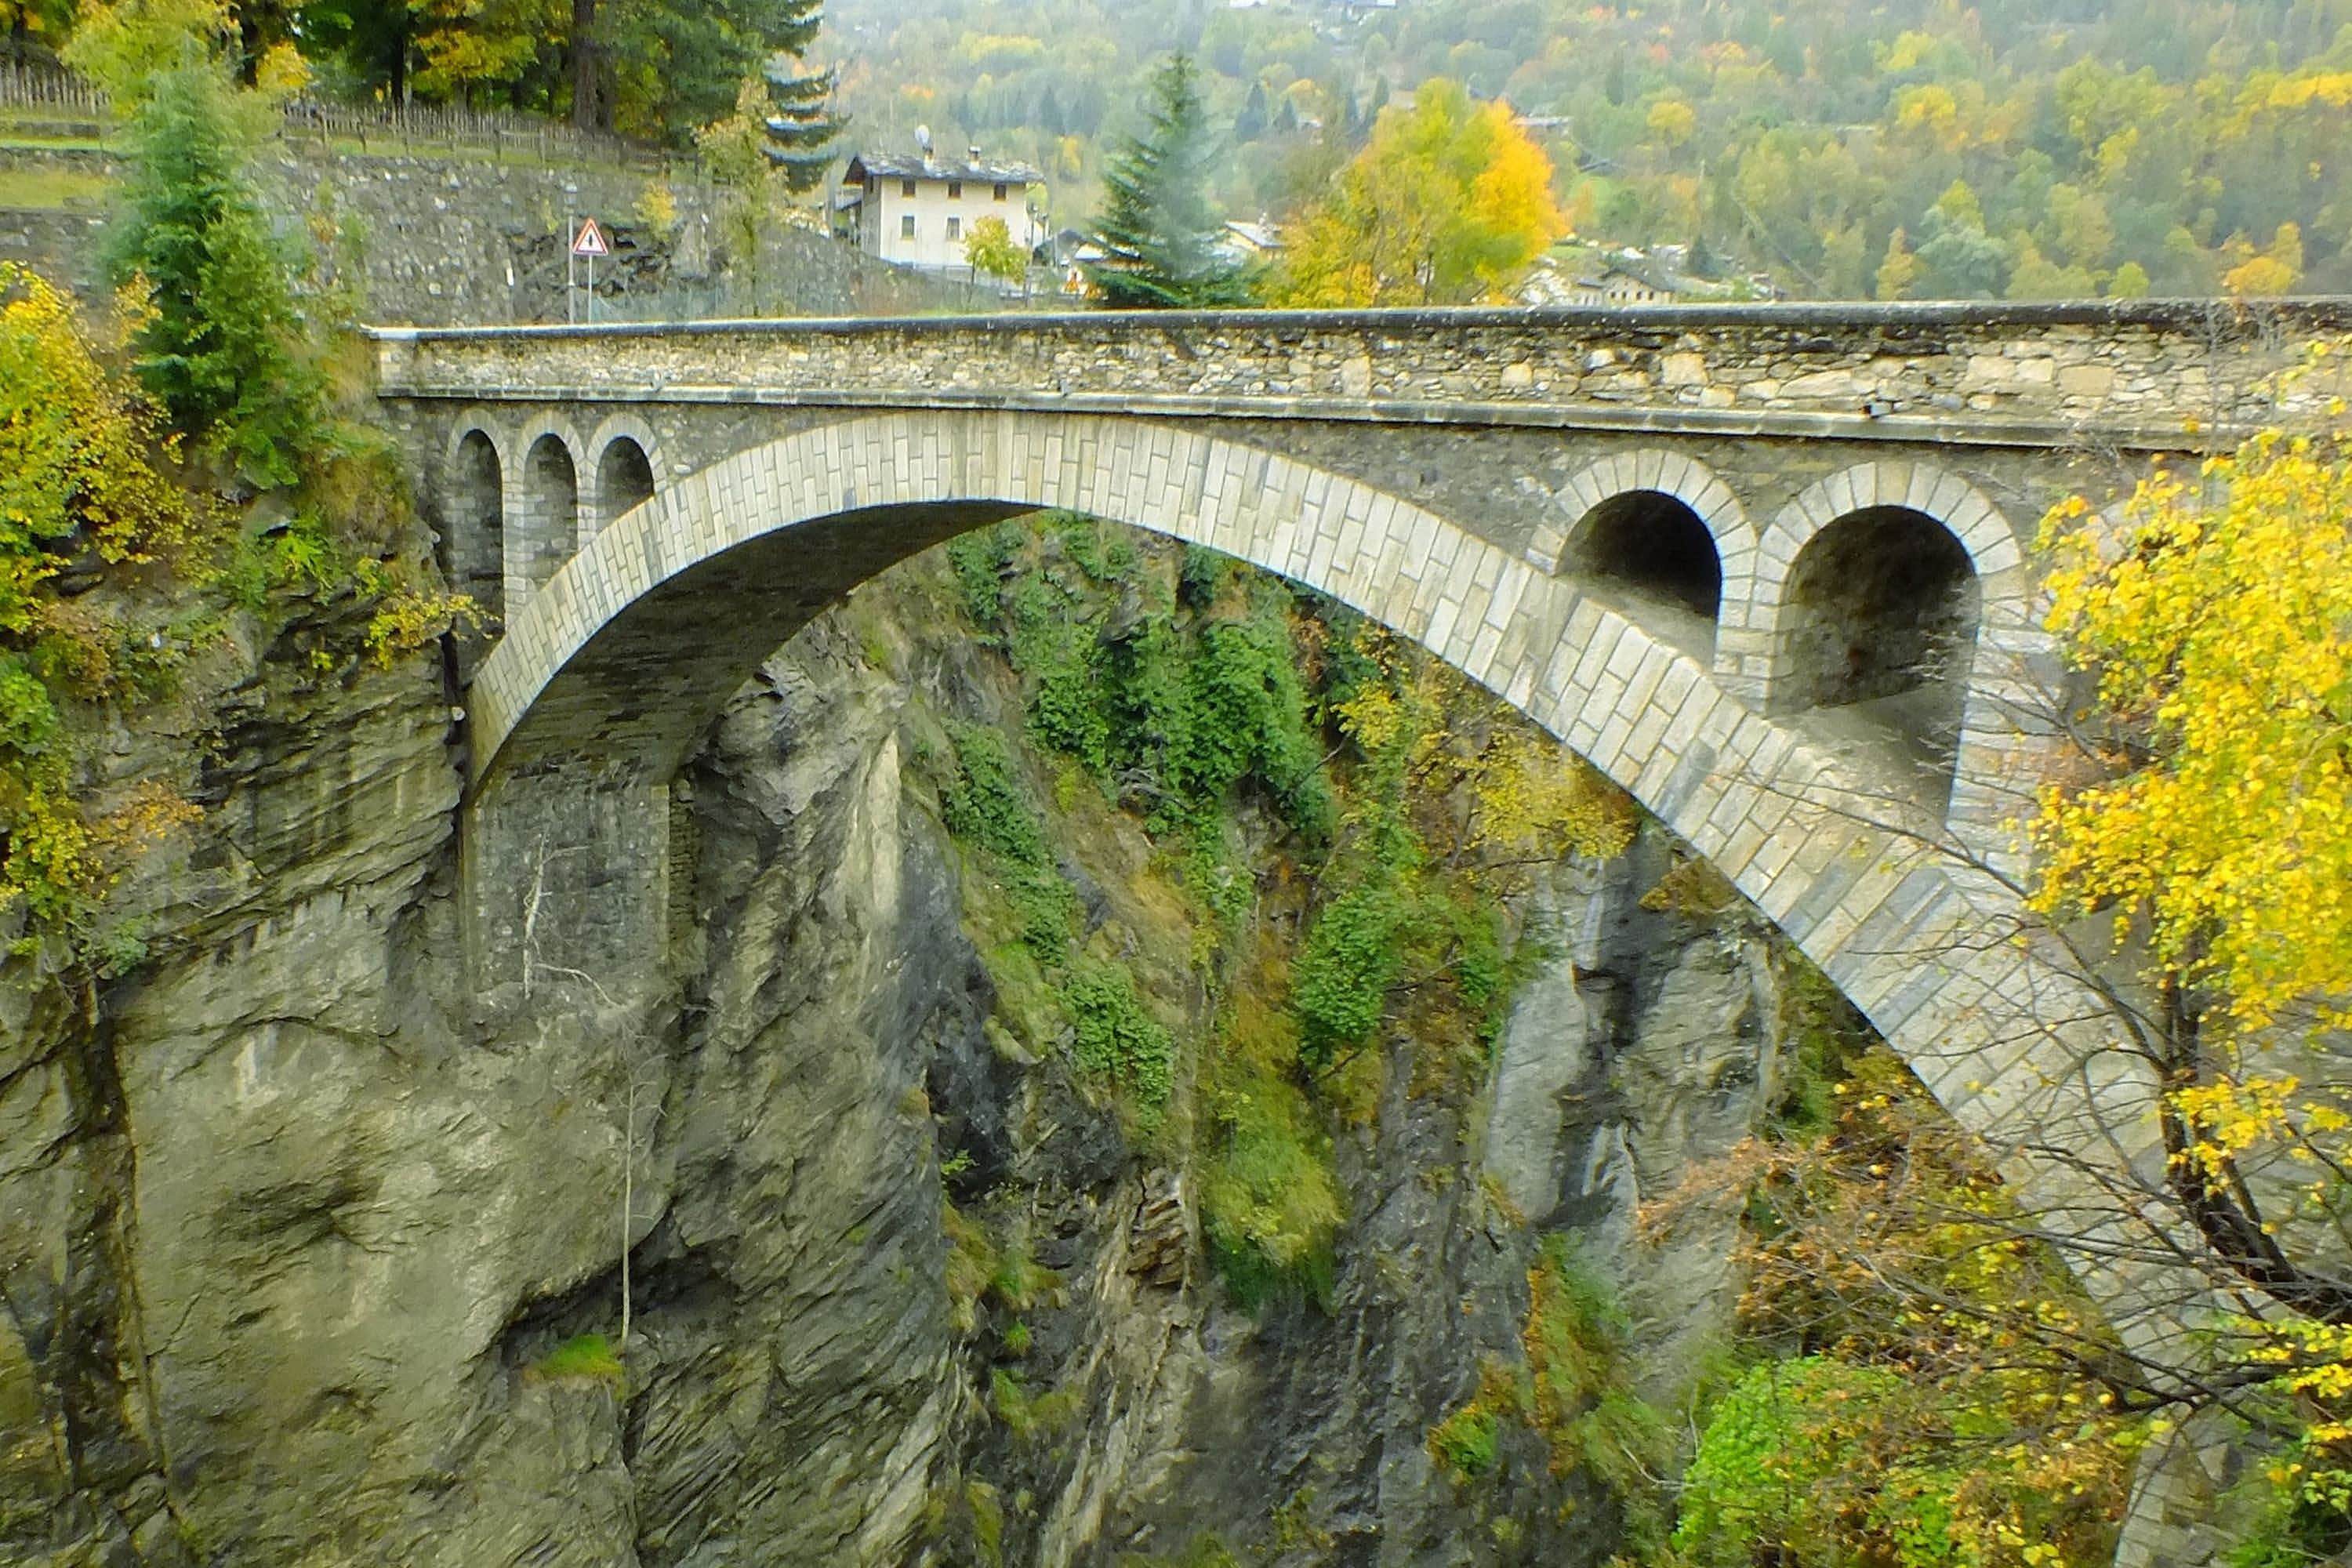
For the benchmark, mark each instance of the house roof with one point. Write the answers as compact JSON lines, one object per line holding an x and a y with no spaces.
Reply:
{"x":915,"y":166}
{"x":1649,"y":274}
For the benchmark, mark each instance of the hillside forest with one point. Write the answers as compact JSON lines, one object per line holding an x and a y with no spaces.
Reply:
{"x":1915,"y":149}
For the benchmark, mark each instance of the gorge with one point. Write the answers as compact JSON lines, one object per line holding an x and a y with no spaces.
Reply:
{"x":903,"y":1125}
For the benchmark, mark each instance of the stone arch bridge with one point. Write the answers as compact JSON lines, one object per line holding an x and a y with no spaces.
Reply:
{"x":1765,"y":566}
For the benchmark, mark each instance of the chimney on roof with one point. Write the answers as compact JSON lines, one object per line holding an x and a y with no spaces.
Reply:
{"x":975,"y":154}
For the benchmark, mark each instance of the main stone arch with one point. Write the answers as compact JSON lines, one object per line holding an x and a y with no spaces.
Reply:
{"x":617,"y":667}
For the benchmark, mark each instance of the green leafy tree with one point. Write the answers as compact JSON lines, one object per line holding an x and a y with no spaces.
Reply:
{"x":468,"y":49}
{"x":1843,"y":263}
{"x":1251,"y":122}
{"x":992,"y":253}
{"x":2036,"y":276}
{"x":1957,"y":259}
{"x":733,"y":153}
{"x":28,"y":21}
{"x":2080,"y":221}
{"x":1160,"y":234}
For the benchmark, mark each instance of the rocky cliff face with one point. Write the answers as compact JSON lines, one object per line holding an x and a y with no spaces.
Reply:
{"x":290,"y":1239}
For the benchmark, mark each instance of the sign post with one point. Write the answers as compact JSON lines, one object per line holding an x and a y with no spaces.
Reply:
{"x":590,"y":243}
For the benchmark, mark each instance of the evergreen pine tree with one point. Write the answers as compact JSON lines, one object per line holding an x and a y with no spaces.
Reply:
{"x":801,"y":125}
{"x":221,"y":347}
{"x":1160,"y":234}
{"x":1251,"y":123}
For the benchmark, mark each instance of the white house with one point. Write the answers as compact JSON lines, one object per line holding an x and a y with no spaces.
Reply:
{"x":917,"y":210}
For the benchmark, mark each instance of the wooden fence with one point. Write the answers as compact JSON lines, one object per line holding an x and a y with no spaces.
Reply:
{"x":50,"y":93}
{"x":47,"y":93}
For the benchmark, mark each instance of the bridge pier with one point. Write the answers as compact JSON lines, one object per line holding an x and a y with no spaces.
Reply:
{"x":568,"y":886}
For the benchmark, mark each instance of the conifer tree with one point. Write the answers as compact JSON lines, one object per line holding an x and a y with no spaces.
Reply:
{"x":221,"y":341}
{"x":802,"y":125}
{"x":1251,"y":123}
{"x":1159,"y":232}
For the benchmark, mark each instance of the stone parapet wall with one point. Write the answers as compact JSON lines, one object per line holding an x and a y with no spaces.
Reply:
{"x":2161,"y":374}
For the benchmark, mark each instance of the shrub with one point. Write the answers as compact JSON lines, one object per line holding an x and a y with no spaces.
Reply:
{"x":978,"y":559}
{"x":987,"y":1520}
{"x":588,"y":1358}
{"x":1251,"y":721}
{"x":1353,"y":953}
{"x":1578,"y":1341}
{"x":972,"y":1263}
{"x":1270,"y":1199}
{"x":1465,"y":1444}
{"x":74,"y":446}
{"x":1787,"y":1454}
{"x":1577,"y":1394}
{"x":75,"y":479}
{"x":986,"y":804}
{"x":1116,"y":1039}
{"x":1028,"y":1414}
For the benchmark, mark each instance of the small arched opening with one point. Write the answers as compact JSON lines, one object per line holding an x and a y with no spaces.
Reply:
{"x":473,"y":535}
{"x":1659,"y":557}
{"x":1654,"y":547}
{"x":549,"y":530}
{"x":1882,"y":612}
{"x":625,"y":478}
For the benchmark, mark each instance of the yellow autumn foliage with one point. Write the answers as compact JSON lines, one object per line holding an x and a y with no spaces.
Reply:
{"x":2217,"y":623}
{"x":1449,"y":202}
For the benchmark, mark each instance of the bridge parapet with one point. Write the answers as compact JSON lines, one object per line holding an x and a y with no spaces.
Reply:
{"x":2131,"y":374}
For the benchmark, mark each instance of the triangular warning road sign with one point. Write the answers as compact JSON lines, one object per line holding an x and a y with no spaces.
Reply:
{"x":589,"y":240}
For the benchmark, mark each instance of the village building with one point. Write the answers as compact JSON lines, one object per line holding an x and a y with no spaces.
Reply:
{"x":1659,"y":276}
{"x":913,"y":210}
{"x":1250,"y":242}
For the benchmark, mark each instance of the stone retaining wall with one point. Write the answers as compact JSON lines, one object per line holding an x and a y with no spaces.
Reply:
{"x":454,"y":238}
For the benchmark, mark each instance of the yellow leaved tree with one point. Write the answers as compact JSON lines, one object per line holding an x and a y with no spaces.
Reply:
{"x":1447,"y":205}
{"x":2215,"y":842}
{"x":78,"y":482}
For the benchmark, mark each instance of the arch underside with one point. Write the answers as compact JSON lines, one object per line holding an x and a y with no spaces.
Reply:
{"x":624,"y":658}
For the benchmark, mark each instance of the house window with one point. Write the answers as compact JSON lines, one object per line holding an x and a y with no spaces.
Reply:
{"x":955,"y":228}
{"x":906,"y":187}
{"x":907,"y":227}
{"x":955,"y":190}
{"x":1000,"y":193}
